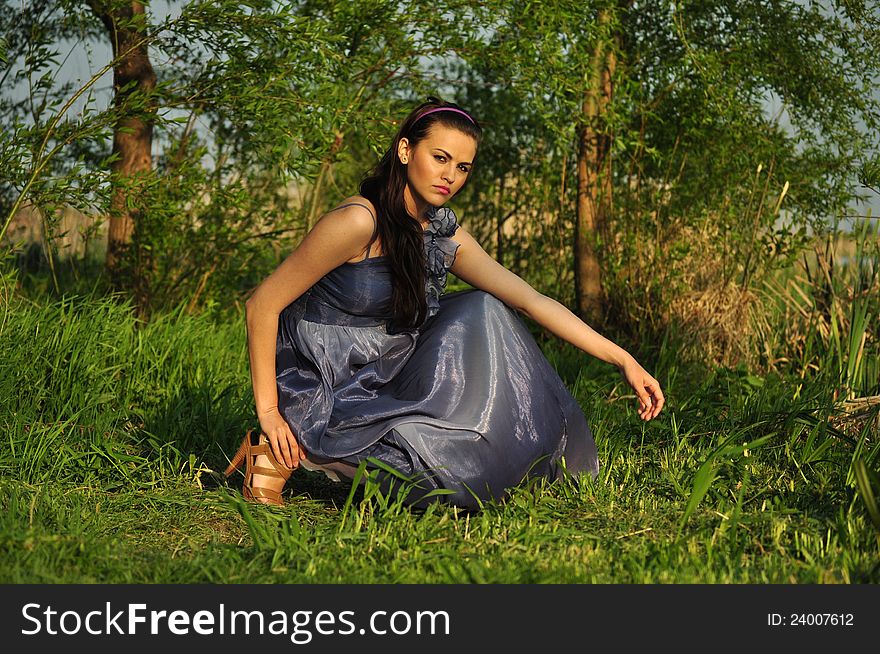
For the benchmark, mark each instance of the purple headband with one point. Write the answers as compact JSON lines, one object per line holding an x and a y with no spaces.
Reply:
{"x":430,"y":111}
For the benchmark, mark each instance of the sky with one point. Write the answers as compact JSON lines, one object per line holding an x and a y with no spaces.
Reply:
{"x":81,"y":61}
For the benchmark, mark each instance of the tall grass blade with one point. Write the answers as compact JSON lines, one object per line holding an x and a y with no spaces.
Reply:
{"x":702,"y":482}
{"x":355,"y":483}
{"x":865,"y":483}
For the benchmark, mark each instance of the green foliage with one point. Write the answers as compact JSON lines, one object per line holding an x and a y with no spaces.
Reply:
{"x":268,"y":113}
{"x":869,"y":175}
{"x":114,"y":399}
{"x":736,"y":482}
{"x":738,"y":129}
{"x":868,"y":483}
{"x":253,"y":101}
{"x":821,"y":313}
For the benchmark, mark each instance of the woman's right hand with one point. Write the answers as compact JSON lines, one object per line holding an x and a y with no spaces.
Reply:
{"x":285,"y":447}
{"x":647,"y":388}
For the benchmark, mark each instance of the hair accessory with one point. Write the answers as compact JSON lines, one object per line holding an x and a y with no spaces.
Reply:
{"x":430,"y":111}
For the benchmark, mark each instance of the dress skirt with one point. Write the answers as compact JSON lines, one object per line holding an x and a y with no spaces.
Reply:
{"x":467,"y":405}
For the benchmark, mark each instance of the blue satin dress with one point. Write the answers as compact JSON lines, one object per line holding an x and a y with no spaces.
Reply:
{"x":466,"y":403}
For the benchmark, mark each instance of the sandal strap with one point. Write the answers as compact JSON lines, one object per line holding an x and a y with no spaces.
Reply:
{"x":267,"y":472}
{"x":265,"y":448}
{"x":248,"y":452}
{"x":265,"y":493}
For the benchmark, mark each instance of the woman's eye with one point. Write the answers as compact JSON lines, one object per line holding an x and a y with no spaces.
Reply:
{"x":464,"y":169}
{"x":439,"y":158}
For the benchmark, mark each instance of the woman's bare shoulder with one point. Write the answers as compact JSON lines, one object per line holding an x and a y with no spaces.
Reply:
{"x":340,"y":235}
{"x":354,"y":216}
{"x":356,"y":213}
{"x":355,"y":202}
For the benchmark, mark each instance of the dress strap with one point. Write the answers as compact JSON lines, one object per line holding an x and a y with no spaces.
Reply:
{"x":375,"y":225}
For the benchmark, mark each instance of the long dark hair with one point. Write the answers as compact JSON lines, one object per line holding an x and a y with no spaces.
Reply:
{"x":401,"y":234}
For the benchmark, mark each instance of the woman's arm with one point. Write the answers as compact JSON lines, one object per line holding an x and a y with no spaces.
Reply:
{"x":337,"y":237}
{"x":478,"y":269}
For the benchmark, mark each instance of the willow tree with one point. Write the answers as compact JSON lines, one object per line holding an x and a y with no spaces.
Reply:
{"x":558,"y":64}
{"x":594,"y":172}
{"x":133,"y":82}
{"x":249,"y":107}
{"x":665,"y":107}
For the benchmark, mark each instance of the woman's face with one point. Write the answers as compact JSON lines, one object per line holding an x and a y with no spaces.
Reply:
{"x":436,"y":167}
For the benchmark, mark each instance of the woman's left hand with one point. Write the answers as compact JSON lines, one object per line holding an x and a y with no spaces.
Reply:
{"x":647,"y":389}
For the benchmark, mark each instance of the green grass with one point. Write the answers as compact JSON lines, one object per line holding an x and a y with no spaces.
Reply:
{"x":114,"y":432}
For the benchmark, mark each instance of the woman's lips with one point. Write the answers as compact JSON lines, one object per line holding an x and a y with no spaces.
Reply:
{"x":442,"y":189}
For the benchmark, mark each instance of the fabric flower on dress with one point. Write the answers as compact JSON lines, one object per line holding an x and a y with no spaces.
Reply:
{"x":440,"y":252}
{"x":442,"y":221}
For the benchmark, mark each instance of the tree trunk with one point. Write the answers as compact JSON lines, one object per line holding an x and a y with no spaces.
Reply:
{"x":132,"y":137}
{"x":594,"y":180}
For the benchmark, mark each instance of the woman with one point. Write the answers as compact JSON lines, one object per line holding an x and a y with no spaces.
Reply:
{"x":355,"y":355}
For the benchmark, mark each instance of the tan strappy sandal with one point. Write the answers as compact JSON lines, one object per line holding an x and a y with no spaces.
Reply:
{"x":248,"y":451}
